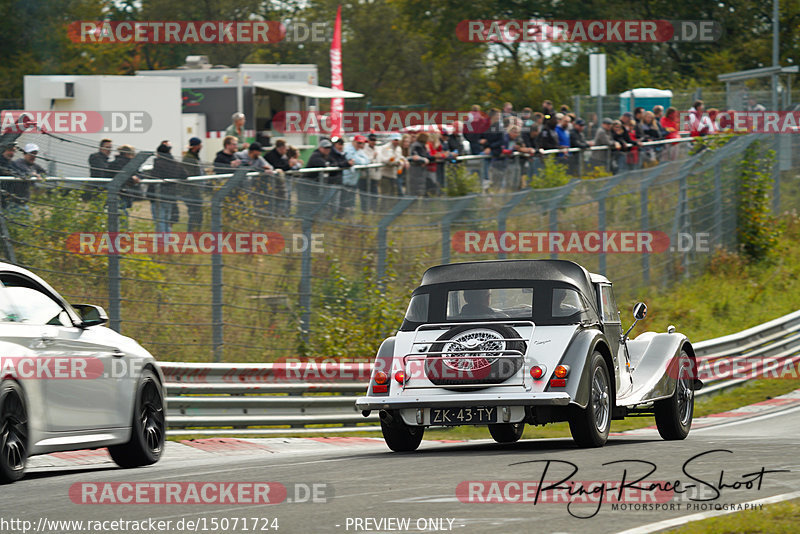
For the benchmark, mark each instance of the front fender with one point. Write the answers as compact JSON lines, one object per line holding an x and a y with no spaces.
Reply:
{"x":654,"y":358}
{"x":576,"y":356}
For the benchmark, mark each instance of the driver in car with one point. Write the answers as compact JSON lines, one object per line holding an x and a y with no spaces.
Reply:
{"x":477,"y":303}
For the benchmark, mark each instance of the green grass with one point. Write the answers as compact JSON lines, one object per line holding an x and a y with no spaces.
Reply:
{"x":779,"y":518}
{"x":730,"y":296}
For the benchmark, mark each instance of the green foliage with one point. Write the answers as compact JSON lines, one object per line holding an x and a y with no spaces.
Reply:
{"x":460,"y":182}
{"x":353,"y":313}
{"x":757,"y":232}
{"x":711,"y":142}
{"x":553,"y":174}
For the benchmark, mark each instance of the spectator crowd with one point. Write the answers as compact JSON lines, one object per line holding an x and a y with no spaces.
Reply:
{"x":512,"y":147}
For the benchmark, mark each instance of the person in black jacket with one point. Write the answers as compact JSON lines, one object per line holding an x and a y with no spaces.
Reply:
{"x":99,"y":167}
{"x":130,"y":189}
{"x":576,"y":140}
{"x":164,"y":195}
{"x":225,"y":161}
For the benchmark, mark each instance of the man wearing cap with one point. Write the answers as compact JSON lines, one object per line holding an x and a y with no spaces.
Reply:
{"x":320,"y":158}
{"x":391,"y":155}
{"x":279,"y":158}
{"x":602,"y":158}
{"x":338,"y":159}
{"x":191,"y":194}
{"x":27,"y":168}
{"x":163,"y":203}
{"x":576,"y":140}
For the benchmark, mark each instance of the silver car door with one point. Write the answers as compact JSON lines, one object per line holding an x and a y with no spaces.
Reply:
{"x":77,"y":371}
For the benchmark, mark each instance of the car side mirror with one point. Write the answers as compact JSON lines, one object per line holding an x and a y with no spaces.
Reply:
{"x":639,"y":313}
{"x":91,"y":315}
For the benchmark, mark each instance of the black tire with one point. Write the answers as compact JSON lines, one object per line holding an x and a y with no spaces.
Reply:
{"x":399,"y":436}
{"x":13,"y":432}
{"x":589,"y":426}
{"x":148,"y":429}
{"x":506,"y":432}
{"x":674,"y":415}
{"x":499,"y":370}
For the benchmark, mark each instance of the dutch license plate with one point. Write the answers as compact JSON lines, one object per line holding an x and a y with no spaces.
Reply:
{"x":463,"y":416}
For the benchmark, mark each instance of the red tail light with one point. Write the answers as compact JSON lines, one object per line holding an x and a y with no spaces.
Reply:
{"x":537,"y":372}
{"x":400,"y":376}
{"x":381,"y":378}
{"x":561,"y":371}
{"x":558,"y":383}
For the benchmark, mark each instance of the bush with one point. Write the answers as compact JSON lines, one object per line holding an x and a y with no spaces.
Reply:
{"x":757,"y":231}
{"x":553,"y":174}
{"x":460,"y":182}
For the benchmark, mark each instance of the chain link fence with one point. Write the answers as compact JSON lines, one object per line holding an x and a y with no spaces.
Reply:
{"x":304,"y":260}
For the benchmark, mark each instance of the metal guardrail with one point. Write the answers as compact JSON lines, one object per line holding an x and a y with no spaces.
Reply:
{"x":203,"y":398}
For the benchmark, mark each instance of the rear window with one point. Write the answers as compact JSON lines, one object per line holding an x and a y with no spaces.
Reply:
{"x":496,"y":303}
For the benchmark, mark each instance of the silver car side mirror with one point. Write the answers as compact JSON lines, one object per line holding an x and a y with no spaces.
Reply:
{"x":639,"y":313}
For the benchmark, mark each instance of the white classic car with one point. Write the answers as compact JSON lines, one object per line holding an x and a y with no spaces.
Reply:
{"x":505,"y":343}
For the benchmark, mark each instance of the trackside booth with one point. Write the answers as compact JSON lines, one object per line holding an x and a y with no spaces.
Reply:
{"x":646,"y":97}
{"x":210,"y":95}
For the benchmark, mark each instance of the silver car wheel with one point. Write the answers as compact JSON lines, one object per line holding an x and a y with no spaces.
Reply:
{"x":600,"y":400}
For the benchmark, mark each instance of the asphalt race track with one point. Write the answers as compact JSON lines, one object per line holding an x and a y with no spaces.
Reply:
{"x":365,"y":484}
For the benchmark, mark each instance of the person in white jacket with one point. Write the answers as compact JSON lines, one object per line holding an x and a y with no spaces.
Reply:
{"x":391,"y":155}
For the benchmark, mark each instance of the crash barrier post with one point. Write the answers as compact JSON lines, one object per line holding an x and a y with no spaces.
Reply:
{"x":217,"y":313}
{"x":112,"y":202}
{"x":204,"y":398}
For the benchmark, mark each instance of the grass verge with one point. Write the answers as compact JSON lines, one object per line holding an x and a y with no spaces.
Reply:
{"x":778,"y":518}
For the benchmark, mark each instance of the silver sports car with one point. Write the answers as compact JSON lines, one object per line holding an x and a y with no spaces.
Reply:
{"x":515,"y":342}
{"x":70,"y":383}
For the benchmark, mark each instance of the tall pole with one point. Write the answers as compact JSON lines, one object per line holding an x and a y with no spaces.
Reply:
{"x":775,"y":52}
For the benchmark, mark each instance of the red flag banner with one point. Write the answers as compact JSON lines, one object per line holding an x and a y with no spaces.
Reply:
{"x":337,"y":104}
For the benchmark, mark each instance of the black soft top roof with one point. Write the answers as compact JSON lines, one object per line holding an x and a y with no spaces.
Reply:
{"x":528,"y":270}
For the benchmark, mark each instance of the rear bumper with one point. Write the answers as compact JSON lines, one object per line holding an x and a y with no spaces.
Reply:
{"x":462,"y":399}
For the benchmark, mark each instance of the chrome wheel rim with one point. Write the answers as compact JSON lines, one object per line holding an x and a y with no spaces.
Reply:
{"x":600,"y":400}
{"x":685,"y":394}
{"x":14,"y":433}
{"x":151,"y":416}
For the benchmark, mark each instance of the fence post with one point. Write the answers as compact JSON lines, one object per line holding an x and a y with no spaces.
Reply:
{"x":601,"y":213}
{"x":383,"y":226}
{"x":217,"y":324}
{"x":776,"y":176}
{"x":305,"y":266}
{"x":112,"y":201}
{"x":718,"y":204}
{"x":8,"y":245}
{"x":448,"y":219}
{"x":552,"y":208}
{"x":502,"y":215}
{"x":644,"y":199}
